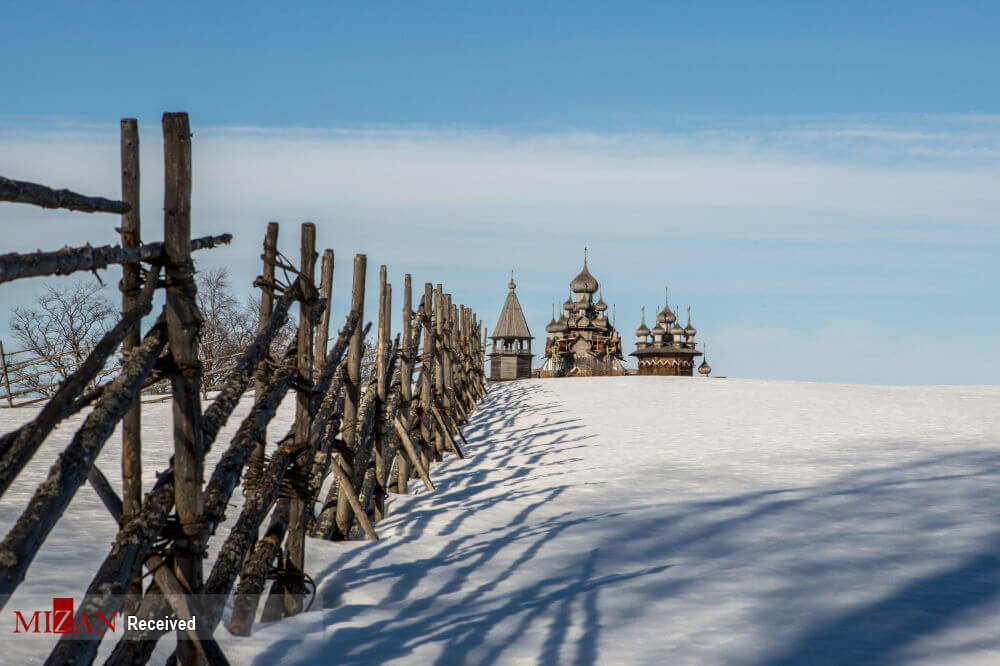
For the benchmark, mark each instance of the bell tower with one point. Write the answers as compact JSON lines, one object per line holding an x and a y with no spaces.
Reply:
{"x":511,"y":355}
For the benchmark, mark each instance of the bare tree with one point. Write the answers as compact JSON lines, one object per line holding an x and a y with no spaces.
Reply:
{"x":218,"y":308}
{"x":369,"y":359}
{"x":227,"y":327}
{"x":246,"y":325}
{"x":59,"y":331}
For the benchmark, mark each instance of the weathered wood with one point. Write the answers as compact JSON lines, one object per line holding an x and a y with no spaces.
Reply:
{"x":352,"y":497}
{"x":255,"y":507}
{"x":411,"y":450}
{"x":225,"y":477}
{"x":440,"y":368}
{"x":226,"y":474}
{"x":127,"y":553}
{"x":136,"y":647}
{"x":172,"y":589}
{"x":326,"y":526}
{"x":383,"y":334}
{"x":381,"y":467}
{"x":183,"y":325}
{"x":67,"y":650}
{"x":389,"y":441}
{"x":269,"y":257}
{"x":69,"y":472}
{"x":68,"y":260}
{"x":265,"y":551}
{"x":444,"y":429}
{"x":175,"y":595}
{"x":428,"y":372}
{"x":296,"y":542}
{"x":366,"y":495}
{"x":6,"y":376}
{"x":131,"y":284}
{"x":352,"y":389}
{"x":18,"y":447}
{"x":258,"y":500}
{"x":20,"y":191}
{"x":107,"y":494}
{"x":253,"y":575}
{"x":350,"y":461}
{"x":329,"y":416}
{"x":370,"y":428}
{"x":325,"y":295}
{"x":406,"y":381}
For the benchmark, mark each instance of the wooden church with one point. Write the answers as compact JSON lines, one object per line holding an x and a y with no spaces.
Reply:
{"x":669,"y":348}
{"x":583,"y":341}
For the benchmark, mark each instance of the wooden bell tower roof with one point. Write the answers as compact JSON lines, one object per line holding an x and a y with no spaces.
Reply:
{"x":511,"y":322}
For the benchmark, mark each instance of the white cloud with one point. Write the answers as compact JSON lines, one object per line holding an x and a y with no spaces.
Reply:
{"x":463,"y":206}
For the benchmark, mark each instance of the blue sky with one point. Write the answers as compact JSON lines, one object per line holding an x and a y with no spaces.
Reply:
{"x":817,"y":182}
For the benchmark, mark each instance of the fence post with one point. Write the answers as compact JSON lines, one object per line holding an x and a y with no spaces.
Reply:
{"x":382,"y":333}
{"x":429,"y":373}
{"x":406,"y":376}
{"x":255,"y":465}
{"x":352,"y":393}
{"x":381,"y":429}
{"x":6,"y":377}
{"x":183,"y":324}
{"x":296,"y":543}
{"x":325,"y":292}
{"x":131,"y":286}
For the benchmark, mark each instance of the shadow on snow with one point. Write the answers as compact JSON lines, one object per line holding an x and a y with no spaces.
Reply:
{"x":817,"y":541}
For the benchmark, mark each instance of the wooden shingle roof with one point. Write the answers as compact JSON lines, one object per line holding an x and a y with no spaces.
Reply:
{"x":511,"y":323}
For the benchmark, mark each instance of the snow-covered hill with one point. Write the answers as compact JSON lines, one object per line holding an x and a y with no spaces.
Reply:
{"x":646,"y":520}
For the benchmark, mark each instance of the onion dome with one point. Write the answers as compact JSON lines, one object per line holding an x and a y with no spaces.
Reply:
{"x":704,"y":369}
{"x":642,"y":331}
{"x":553,"y":325}
{"x":600,"y":305}
{"x":676,"y":330}
{"x":659,"y":329}
{"x":665,"y":316}
{"x":569,"y":305}
{"x":584,"y":282}
{"x":689,"y":330}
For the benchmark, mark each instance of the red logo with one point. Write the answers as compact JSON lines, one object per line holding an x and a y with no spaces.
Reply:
{"x":62,"y":620}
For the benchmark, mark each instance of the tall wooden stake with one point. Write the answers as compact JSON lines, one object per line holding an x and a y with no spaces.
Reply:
{"x":296,"y":544}
{"x":406,"y":374}
{"x":131,"y":286}
{"x":352,"y":392}
{"x":183,"y":324}
{"x":6,"y":376}
{"x":440,"y":361}
{"x":385,"y":335}
{"x":429,"y":373}
{"x":325,"y":292}
{"x":269,"y":257}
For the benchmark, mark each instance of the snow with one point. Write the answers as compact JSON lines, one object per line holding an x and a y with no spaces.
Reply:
{"x":647,"y":520}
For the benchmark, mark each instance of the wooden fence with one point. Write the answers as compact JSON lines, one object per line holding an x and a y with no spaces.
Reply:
{"x":371,"y":436}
